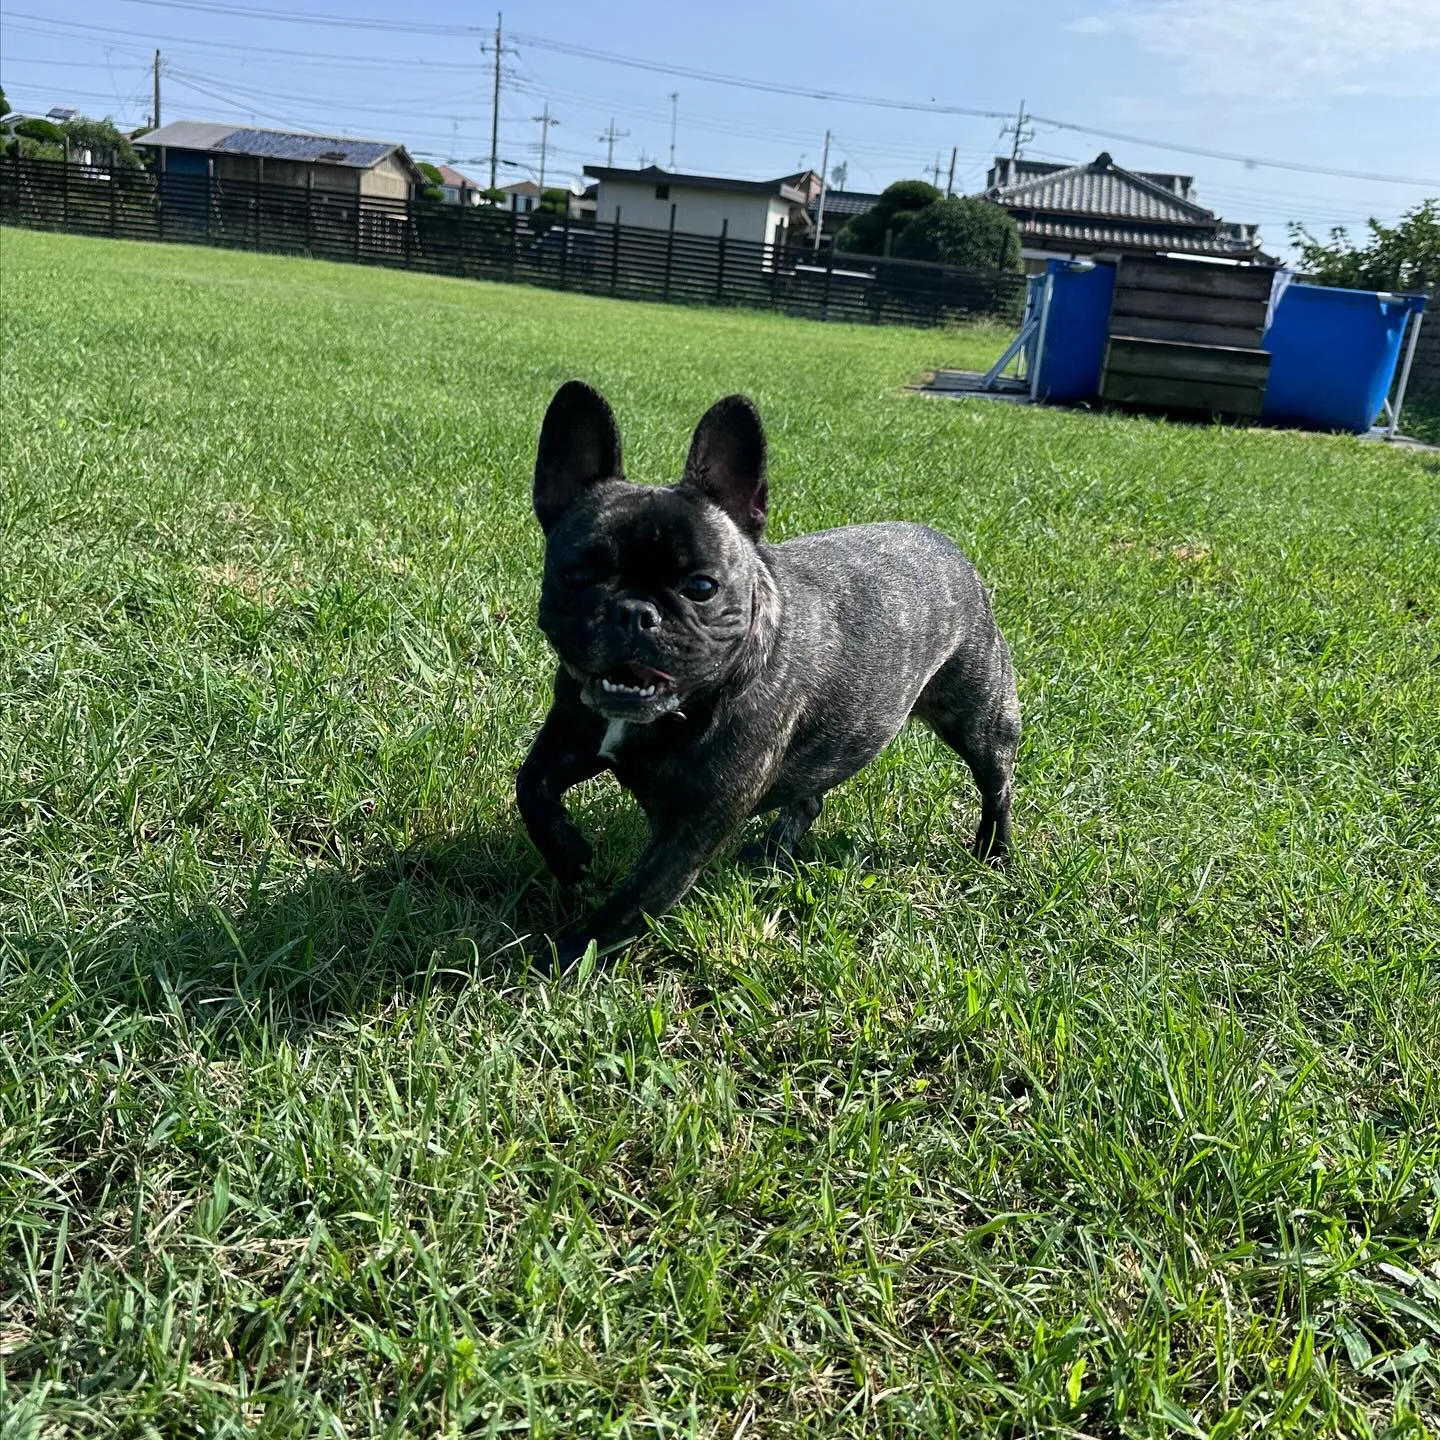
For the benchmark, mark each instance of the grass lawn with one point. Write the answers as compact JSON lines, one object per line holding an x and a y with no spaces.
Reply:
{"x":1138,"y":1137}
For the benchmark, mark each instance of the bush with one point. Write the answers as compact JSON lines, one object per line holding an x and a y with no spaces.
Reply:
{"x":975,"y":234}
{"x":897,"y":206}
{"x":1398,"y":257}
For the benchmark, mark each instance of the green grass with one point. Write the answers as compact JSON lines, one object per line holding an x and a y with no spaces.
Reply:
{"x":1138,"y":1137}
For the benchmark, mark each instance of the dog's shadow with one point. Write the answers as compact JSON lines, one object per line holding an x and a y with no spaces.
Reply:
{"x":298,"y":951}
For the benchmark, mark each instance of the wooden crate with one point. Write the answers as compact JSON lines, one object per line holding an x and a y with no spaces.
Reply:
{"x":1184,"y":335}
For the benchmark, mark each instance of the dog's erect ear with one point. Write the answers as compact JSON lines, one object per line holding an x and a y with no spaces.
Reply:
{"x":579,"y":445}
{"x":727,"y":462}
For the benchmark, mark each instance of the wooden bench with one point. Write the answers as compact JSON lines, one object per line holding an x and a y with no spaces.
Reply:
{"x":1185,"y":336}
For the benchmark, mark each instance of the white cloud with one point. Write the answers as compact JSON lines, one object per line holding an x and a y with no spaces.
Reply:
{"x":1292,"y":49}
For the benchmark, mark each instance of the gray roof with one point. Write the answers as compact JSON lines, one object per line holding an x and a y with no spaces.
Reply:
{"x":186,"y":135}
{"x":1101,"y":188}
{"x":270,"y":144}
{"x":1102,"y":206}
{"x":846,"y":203}
{"x":654,"y":175}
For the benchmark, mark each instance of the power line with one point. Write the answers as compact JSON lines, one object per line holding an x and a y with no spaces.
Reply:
{"x":251,"y":12}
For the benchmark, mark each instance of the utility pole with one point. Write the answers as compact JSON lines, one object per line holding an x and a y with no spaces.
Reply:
{"x":610,"y":136}
{"x":674,"y":102}
{"x":545,"y":122}
{"x":950,"y":183}
{"x":824,"y":172}
{"x":495,"y":106}
{"x":156,"y":116}
{"x":934,"y":170}
{"x":1022,"y":135}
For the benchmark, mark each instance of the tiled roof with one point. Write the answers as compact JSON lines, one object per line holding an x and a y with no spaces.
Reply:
{"x":1232,"y":241}
{"x":1101,"y":188}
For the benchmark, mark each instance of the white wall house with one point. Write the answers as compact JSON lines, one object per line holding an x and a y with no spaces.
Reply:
{"x":703,"y":204}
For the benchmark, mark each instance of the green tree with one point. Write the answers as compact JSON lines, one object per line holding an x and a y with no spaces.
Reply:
{"x":4,"y":103}
{"x":554,"y":202}
{"x":1396,"y":257}
{"x":975,"y":234}
{"x":897,"y":206}
{"x":106,"y":144}
{"x":433,"y":192}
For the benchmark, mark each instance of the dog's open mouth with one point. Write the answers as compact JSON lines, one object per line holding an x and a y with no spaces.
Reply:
{"x":637,"y":682}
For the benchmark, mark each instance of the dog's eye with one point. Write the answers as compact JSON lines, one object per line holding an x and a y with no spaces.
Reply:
{"x":577,"y":576}
{"x":698,"y":587}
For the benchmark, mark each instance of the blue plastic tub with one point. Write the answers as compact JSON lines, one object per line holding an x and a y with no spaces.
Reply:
{"x":1334,"y":356}
{"x":1067,"y":368}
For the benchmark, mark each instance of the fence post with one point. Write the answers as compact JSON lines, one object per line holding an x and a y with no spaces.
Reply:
{"x":114,"y":185}
{"x":720,"y":261}
{"x":669,"y":251}
{"x":829,"y":276}
{"x":65,"y":190}
{"x":405,"y":235}
{"x":514,"y":244}
{"x":615,"y":251}
{"x":257,"y":213}
{"x":310,"y":212}
{"x":160,"y":201}
{"x":209,"y":200}
{"x":565,"y":246}
{"x":358,"y":213}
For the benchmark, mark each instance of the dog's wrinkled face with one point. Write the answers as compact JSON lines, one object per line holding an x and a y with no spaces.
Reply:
{"x":649,"y":594}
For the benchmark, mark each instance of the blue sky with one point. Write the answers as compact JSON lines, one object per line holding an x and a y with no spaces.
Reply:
{"x":1349,"y":85}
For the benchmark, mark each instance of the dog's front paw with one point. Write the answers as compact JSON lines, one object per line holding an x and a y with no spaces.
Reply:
{"x":568,"y":854}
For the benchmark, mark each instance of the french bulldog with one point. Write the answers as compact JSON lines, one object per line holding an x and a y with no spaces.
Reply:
{"x":719,"y":677}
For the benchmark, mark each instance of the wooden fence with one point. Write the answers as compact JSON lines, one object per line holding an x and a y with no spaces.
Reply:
{"x":480,"y":243}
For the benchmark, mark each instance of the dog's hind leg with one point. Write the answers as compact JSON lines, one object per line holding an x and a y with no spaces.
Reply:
{"x":971,"y":704}
{"x":778,"y":846}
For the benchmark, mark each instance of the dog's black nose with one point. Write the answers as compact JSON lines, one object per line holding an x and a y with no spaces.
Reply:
{"x":639,"y":615}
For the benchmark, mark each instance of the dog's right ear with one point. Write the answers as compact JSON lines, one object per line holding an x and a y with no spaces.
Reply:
{"x":579,"y":445}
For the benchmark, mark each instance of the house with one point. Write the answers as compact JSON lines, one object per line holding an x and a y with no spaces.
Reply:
{"x":1100,"y":209}
{"x":522,"y":197}
{"x":458,"y":189}
{"x":370,"y":169}
{"x":841,"y":207}
{"x":762,"y":211}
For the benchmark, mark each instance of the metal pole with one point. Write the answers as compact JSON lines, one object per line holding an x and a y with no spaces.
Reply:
{"x":495,"y":108}
{"x":669,"y":250}
{"x":720,"y":261}
{"x":674,"y":102}
{"x":615,"y":251}
{"x":950,"y":183}
{"x":1040,"y":338}
{"x":1416,"y":320}
{"x":545,"y":122}
{"x":157,"y":90}
{"x":824,"y":171}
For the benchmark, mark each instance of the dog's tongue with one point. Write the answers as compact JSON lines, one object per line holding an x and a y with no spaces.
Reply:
{"x":647,"y":675}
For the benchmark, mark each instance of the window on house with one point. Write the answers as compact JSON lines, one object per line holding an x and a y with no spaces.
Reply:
{"x":662,"y":192}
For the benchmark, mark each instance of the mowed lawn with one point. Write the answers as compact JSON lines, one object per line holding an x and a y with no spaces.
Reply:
{"x":1136,"y":1137}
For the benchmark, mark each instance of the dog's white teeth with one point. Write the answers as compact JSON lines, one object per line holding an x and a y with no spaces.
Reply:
{"x":614,"y":687}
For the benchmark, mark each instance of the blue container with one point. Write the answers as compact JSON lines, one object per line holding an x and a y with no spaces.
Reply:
{"x":1333,"y":356}
{"x":1067,"y":368}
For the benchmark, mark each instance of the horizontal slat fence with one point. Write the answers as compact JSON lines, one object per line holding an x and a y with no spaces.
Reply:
{"x":480,"y":243}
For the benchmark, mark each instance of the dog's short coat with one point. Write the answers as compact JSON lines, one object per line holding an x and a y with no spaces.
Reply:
{"x":719,"y":677}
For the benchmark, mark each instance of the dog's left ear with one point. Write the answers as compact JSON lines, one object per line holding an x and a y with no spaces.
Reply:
{"x":727,"y":462}
{"x":579,"y":445}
